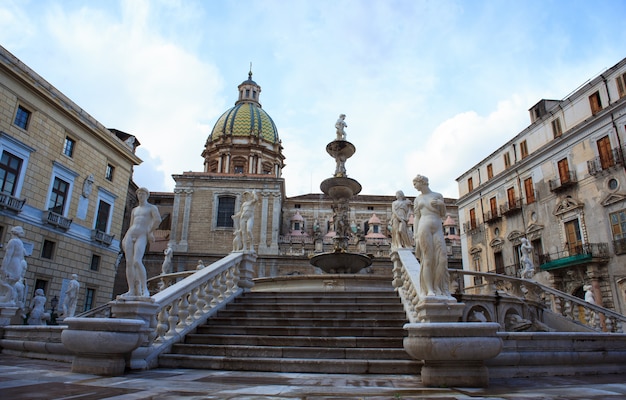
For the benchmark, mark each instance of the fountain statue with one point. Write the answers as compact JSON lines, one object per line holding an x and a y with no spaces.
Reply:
{"x":340,"y":189}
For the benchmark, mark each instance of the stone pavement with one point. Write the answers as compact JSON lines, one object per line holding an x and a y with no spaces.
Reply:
{"x":28,"y":379}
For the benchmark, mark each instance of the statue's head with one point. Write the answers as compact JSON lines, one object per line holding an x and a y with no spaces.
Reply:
{"x":39,"y":292}
{"x":144,"y":191}
{"x":420,"y":180}
{"x":17,"y":231}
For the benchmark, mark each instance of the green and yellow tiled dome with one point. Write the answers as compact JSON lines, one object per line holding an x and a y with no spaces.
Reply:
{"x":245,"y":119}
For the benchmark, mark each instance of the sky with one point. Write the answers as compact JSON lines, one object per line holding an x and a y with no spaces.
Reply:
{"x":428,"y":87}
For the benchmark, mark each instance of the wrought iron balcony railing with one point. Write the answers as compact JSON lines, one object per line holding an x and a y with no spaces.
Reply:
{"x":563,"y":182}
{"x":612,"y":160}
{"x":511,"y":207}
{"x":575,"y":255}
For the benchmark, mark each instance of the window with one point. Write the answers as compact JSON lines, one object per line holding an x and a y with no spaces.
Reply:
{"x":58,"y":197}
{"x":370,"y":208}
{"x":102,"y":216}
{"x":621,"y":85}
{"x":225,"y":211}
{"x":606,"y":153}
{"x":473,"y":218}
{"x":489,"y":171}
{"x":10,"y":167}
{"x":68,"y":146}
{"x":618,"y":224}
{"x":507,"y":160}
{"x":563,"y":168}
{"x":529,"y":190}
{"x":595,"y":103}
{"x":470,"y":184}
{"x":296,"y":206}
{"x":574,"y":238}
{"x":108,"y":175}
{"x":524,"y":149}
{"x":493,"y":206}
{"x":22,"y":117}
{"x":90,"y":297}
{"x":510,"y":196}
{"x":95,"y":262}
{"x":556,"y":127}
{"x":238,"y":169}
{"x":47,"y":249}
{"x":40,"y":284}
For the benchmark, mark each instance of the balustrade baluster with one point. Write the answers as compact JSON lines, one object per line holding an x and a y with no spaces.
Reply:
{"x":193,"y":305}
{"x":162,"y":326}
{"x":183,"y":312}
{"x":172,"y":319}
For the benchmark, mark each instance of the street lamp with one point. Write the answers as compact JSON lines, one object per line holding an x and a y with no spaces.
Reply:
{"x":53,"y":317}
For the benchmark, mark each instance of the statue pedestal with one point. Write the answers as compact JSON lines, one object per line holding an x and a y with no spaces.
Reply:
{"x":7,"y":312}
{"x":101,"y":345}
{"x":138,"y":308}
{"x":454,"y":353}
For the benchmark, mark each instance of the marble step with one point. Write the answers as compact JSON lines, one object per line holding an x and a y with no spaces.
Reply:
{"x":290,"y":351}
{"x":306,"y":306}
{"x":282,"y":321}
{"x":399,"y":315}
{"x":291,"y":365}
{"x":302,"y":330}
{"x":298,"y":341}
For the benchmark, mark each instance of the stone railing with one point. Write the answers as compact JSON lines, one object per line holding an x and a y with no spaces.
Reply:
{"x":189,"y":302}
{"x":406,"y":271}
{"x":570,"y":307}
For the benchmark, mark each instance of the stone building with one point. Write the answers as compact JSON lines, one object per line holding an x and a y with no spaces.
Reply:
{"x":242,"y":154}
{"x":64,"y":178}
{"x":561,"y":184}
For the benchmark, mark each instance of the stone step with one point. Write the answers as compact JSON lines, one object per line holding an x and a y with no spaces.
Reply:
{"x":281,"y":321}
{"x":308,"y":365}
{"x":295,"y":306}
{"x":302,"y":330}
{"x":326,"y":314}
{"x":297,"y":341}
{"x":281,"y":298}
{"x":290,"y":352}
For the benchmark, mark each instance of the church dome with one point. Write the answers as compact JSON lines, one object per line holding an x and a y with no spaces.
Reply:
{"x":246,"y":118}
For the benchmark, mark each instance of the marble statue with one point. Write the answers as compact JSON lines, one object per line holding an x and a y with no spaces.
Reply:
{"x":430,"y":246}
{"x":88,"y":186}
{"x":340,"y":125}
{"x":244,"y":222}
{"x":340,"y":167}
{"x":200,"y":265}
{"x":13,"y":266}
{"x":589,"y":297}
{"x":400,"y":222}
{"x":144,"y":219}
{"x":71,"y":297}
{"x":528,"y":269}
{"x":167,"y":267}
{"x":38,"y":315}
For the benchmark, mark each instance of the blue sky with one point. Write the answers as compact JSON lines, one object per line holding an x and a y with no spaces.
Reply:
{"x":428,"y":87}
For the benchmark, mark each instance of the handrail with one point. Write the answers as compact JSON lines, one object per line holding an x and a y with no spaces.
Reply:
{"x":406,"y":275}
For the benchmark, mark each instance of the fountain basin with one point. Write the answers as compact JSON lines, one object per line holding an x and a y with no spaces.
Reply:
{"x":341,"y":263}
{"x":340,"y":188}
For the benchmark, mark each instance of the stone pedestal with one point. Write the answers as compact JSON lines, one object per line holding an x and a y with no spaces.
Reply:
{"x":439,"y":309}
{"x":7,"y":312}
{"x":138,"y":308}
{"x":101,"y":345}
{"x":453,"y":352}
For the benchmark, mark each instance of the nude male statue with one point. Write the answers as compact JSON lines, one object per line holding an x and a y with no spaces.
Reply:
{"x":145,"y":218}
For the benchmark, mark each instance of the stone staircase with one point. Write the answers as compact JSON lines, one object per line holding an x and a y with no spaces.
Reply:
{"x":357,"y":332}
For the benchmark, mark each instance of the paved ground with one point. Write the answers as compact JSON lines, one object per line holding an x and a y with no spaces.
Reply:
{"x":35,"y":379}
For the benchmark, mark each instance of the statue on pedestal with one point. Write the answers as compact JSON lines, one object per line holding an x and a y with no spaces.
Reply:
{"x":167,"y":267}
{"x":144,"y":219}
{"x":38,"y":315}
{"x":400,"y":222}
{"x":340,"y":125}
{"x":71,"y":297}
{"x":430,"y":246}
{"x":13,"y":266}
{"x":528,"y":269}
{"x":244,"y":222}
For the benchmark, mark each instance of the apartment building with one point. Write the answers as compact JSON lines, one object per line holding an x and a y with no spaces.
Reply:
{"x":64,"y":178}
{"x":561,"y":184}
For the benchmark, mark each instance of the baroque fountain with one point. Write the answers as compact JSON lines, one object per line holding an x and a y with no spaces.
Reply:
{"x":340,"y":189}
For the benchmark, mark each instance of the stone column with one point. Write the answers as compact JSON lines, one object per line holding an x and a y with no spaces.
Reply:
{"x":186,"y":215}
{"x":263,"y":225}
{"x":175,"y":211}
{"x":275,"y":222}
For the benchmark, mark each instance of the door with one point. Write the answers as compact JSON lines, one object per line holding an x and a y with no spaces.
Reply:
{"x":574,"y":239}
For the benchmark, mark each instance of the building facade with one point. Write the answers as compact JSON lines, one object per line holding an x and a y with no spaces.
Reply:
{"x":64,"y":178}
{"x":561,"y":184}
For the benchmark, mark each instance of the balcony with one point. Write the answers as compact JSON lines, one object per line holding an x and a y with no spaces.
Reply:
{"x":472,"y":227}
{"x":11,"y":203}
{"x":492,"y":216}
{"x":102,"y":237}
{"x":575,"y":255}
{"x":511,"y":207}
{"x":604,"y":164}
{"x":56,"y":220}
{"x":563,"y":182}
{"x":619,"y":246}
